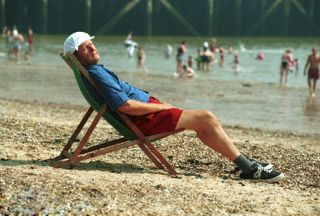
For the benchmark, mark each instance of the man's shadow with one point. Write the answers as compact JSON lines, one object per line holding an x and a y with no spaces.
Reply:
{"x":93,"y":165}
{"x":101,"y":166}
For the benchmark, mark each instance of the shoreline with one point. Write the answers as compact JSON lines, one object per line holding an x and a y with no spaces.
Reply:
{"x":245,"y":104}
{"x":127,"y":183}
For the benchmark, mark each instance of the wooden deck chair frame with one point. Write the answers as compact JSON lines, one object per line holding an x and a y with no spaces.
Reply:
{"x":131,"y":136}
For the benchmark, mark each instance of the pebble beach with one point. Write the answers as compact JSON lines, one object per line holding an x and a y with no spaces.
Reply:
{"x":127,"y":183}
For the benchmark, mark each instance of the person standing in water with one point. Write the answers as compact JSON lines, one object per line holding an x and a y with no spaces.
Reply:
{"x":236,"y":62}
{"x":180,"y":57}
{"x":130,"y":44}
{"x":141,"y":56}
{"x":30,"y":39}
{"x":312,"y":63}
{"x":168,"y":51}
{"x":286,"y":64}
{"x":17,"y":40}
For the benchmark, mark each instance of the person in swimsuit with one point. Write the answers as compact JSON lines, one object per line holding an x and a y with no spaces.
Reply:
{"x":17,"y":40}
{"x":286,"y":62}
{"x":141,"y":56}
{"x":312,"y":63}
{"x":206,"y":58}
{"x":180,"y":57}
{"x":30,"y":39}
{"x":152,"y":116}
{"x":221,"y":51}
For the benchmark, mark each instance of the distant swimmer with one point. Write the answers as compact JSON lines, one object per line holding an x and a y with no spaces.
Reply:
{"x":260,"y":56}
{"x":130,"y":44}
{"x":168,"y":51}
{"x":312,"y":63}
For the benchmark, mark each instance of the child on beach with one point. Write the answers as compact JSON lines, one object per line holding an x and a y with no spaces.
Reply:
{"x":198,"y":58}
{"x":236,"y":63}
{"x":27,"y":55}
{"x":188,"y":71}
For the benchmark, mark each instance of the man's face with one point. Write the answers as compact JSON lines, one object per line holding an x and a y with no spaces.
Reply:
{"x":87,"y":53}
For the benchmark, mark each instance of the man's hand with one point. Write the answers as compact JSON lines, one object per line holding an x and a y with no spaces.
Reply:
{"x":136,"y":108}
{"x":167,"y":105}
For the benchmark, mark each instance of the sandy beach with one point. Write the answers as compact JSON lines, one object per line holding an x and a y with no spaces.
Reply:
{"x":127,"y":183}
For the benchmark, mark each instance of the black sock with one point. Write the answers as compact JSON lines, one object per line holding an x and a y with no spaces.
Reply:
{"x":243,"y":163}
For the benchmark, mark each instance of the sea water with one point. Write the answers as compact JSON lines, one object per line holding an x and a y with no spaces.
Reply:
{"x":114,"y":54}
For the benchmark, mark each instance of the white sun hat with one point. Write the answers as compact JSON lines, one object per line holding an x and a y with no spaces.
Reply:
{"x":72,"y":42}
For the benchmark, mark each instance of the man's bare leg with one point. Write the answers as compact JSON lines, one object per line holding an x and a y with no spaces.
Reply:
{"x":209,"y":131}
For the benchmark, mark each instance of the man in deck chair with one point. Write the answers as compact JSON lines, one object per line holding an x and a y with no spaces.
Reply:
{"x":152,"y":116}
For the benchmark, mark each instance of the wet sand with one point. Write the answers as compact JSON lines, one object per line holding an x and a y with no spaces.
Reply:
{"x":246,"y":103}
{"x":36,"y":127}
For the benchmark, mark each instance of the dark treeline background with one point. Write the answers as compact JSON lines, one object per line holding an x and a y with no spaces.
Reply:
{"x":165,"y":17}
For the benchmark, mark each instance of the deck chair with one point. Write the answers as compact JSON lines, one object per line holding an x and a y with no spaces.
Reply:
{"x":130,"y":133}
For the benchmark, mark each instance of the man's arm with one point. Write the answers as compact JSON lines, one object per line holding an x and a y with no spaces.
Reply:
{"x":136,"y":108}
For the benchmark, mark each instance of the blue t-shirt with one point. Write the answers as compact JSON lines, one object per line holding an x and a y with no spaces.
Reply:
{"x":114,"y":91}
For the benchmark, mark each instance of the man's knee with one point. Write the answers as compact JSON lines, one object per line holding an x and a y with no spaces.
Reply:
{"x":209,"y":117}
{"x":197,"y":120}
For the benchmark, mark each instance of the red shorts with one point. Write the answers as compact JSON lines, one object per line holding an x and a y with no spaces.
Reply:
{"x":163,"y":121}
{"x":313,"y":73}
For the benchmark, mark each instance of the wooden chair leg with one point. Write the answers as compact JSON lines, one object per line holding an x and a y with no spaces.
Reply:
{"x":85,"y":139}
{"x":154,"y":159}
{"x":159,"y":156}
{"x":147,"y":147}
{"x":77,"y":131}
